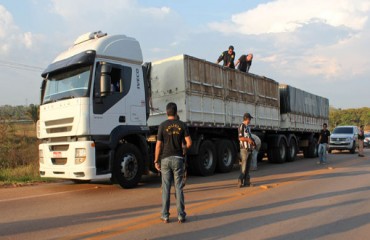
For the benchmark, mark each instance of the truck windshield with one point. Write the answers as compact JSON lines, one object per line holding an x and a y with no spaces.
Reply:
{"x":70,"y":84}
{"x":343,"y":130}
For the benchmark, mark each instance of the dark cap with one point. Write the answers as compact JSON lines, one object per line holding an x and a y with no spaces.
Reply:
{"x":232,"y":47}
{"x":247,"y":115}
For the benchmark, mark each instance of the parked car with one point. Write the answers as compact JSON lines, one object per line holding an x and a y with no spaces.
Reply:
{"x":344,"y":138}
{"x":367,"y":140}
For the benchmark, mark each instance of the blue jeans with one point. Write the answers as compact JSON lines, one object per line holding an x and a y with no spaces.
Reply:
{"x":172,"y":169}
{"x":322,"y":152}
{"x":254,"y":159}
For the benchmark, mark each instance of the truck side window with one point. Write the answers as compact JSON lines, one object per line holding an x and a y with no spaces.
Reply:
{"x":114,"y":85}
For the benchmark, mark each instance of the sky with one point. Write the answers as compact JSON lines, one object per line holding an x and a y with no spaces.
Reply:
{"x":321,"y":47}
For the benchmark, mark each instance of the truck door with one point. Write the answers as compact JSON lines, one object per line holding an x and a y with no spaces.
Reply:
{"x":112,"y":83}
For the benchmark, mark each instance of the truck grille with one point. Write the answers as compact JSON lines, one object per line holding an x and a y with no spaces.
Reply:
{"x":60,"y":125}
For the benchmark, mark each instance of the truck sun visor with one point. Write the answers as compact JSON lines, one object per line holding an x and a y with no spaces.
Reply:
{"x":81,"y":59}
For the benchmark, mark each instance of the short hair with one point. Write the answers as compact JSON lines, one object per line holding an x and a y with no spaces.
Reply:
{"x":231,"y":47}
{"x":325,"y":124}
{"x":171,"y":109}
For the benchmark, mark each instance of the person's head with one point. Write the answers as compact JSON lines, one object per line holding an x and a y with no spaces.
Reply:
{"x":171,"y":109}
{"x":247,"y":117}
{"x":362,"y":127}
{"x":249,"y":57}
{"x":325,"y":125}
{"x":231,"y":49}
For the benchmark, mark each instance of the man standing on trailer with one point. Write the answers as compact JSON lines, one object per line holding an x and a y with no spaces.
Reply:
{"x":244,"y":62}
{"x":171,"y":135}
{"x":228,"y":57}
{"x":246,"y":148}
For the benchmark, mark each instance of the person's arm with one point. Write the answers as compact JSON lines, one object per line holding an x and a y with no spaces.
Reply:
{"x":237,"y":63}
{"x":220,"y":58}
{"x":246,"y":139}
{"x":188,"y":142}
{"x":158,"y":148}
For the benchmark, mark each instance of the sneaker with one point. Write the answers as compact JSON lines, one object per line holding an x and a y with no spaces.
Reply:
{"x":240,"y":183}
{"x":165,"y":220}
{"x":181,"y":220}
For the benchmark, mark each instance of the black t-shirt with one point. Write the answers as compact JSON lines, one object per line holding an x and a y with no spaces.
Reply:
{"x":172,"y":133}
{"x":324,"y":136}
{"x":227,"y":58}
{"x":244,"y":65}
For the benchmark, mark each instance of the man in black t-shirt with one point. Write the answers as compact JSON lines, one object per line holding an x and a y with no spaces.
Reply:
{"x":244,"y":62}
{"x":171,"y":135}
{"x":323,"y":142}
{"x":227,"y":57}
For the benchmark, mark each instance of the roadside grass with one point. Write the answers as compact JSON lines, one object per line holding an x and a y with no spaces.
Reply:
{"x":19,"y":176}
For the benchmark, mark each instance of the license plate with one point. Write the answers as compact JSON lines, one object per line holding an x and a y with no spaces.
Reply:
{"x":57,"y":154}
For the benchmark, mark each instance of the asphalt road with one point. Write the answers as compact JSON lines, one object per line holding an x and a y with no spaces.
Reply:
{"x":298,"y":200}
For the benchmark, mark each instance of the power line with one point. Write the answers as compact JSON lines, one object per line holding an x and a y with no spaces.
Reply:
{"x":20,"y":66}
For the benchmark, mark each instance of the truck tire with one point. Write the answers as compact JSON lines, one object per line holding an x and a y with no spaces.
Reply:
{"x":225,"y":156}
{"x":204,"y":163}
{"x":311,"y":150}
{"x":278,"y":153}
{"x":128,"y":166}
{"x":353,"y":149}
{"x":292,"y":150}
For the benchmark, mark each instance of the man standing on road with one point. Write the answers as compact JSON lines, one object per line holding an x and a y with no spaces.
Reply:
{"x":246,"y":143}
{"x":255,"y":151}
{"x":228,"y":58}
{"x":171,"y":135}
{"x":323,"y":142}
{"x":361,"y":138}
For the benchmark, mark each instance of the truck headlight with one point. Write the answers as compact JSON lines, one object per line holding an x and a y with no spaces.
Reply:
{"x":80,"y":155}
{"x":41,"y":156}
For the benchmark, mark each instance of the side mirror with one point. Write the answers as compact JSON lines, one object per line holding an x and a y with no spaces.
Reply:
{"x":105,"y":79}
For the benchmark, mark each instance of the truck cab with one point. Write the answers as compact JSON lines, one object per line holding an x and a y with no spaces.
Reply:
{"x":93,"y":101}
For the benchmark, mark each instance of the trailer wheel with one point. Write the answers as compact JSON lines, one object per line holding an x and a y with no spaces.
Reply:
{"x":225,"y":156}
{"x":311,"y":150}
{"x":204,"y":163}
{"x":128,"y":166}
{"x":292,"y":150}
{"x":278,"y":154}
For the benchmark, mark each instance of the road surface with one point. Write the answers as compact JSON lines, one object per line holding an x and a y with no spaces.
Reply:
{"x":298,"y":200}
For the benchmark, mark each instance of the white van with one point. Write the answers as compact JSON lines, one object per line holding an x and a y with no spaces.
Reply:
{"x":344,"y":138}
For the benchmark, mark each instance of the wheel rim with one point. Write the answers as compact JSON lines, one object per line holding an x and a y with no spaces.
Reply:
{"x":226,"y":157}
{"x":292,"y":150}
{"x":282,"y":151}
{"x":207,"y":159}
{"x":129,"y":166}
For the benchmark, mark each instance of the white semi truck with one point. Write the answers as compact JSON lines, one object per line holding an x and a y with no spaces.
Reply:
{"x":101,"y":107}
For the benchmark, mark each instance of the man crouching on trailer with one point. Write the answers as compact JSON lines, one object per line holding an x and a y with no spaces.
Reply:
{"x":246,"y":143}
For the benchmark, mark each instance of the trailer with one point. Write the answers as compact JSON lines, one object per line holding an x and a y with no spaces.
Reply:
{"x":101,"y":107}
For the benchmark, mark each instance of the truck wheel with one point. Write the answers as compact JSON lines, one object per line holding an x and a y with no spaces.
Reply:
{"x":204,"y":163}
{"x":128,"y":166}
{"x":353,"y":149}
{"x":225,"y":156}
{"x":292,"y":150}
{"x":278,"y":154}
{"x":311,"y":150}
